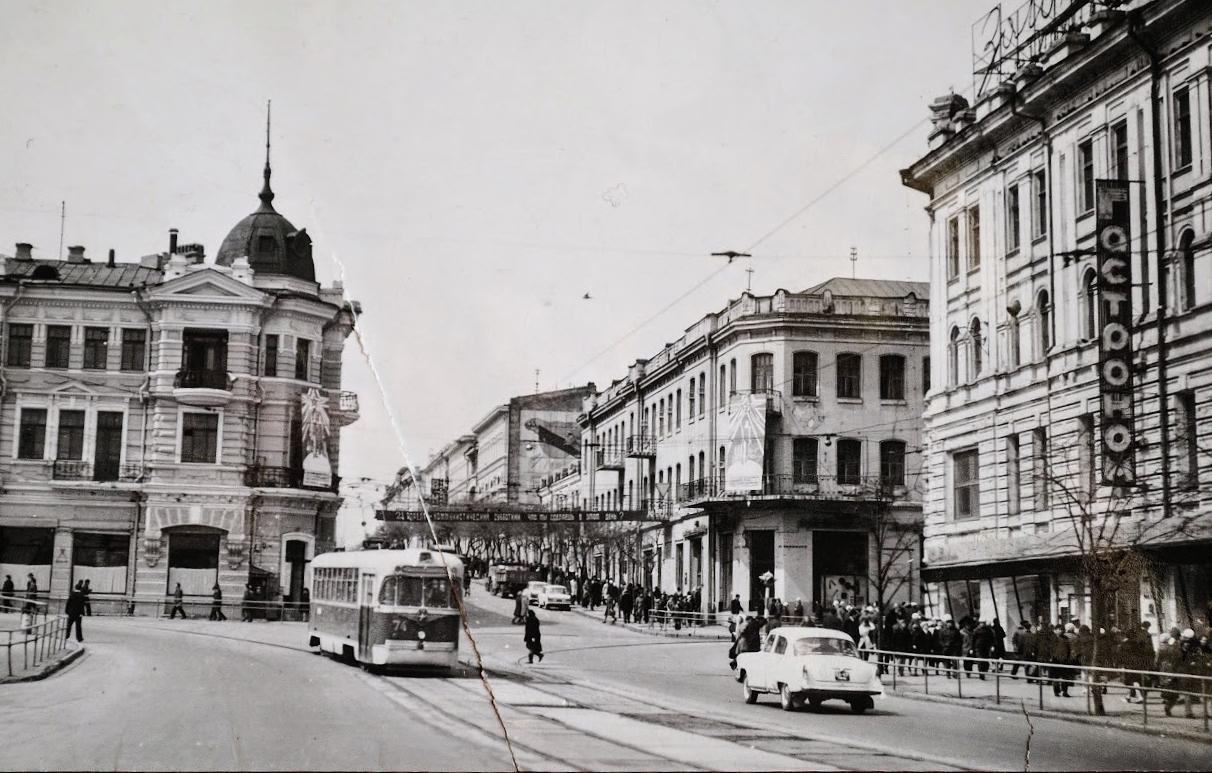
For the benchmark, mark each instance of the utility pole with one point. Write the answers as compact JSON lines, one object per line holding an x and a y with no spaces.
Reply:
{"x":62,"y":223}
{"x":749,"y":280}
{"x":853,"y":261}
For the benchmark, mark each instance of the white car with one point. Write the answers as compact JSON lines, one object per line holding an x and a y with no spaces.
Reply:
{"x":532,"y":590}
{"x":809,"y":664}
{"x":555,"y":597}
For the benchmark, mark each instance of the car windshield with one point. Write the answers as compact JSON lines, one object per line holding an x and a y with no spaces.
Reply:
{"x":556,"y":589}
{"x":823,"y":646}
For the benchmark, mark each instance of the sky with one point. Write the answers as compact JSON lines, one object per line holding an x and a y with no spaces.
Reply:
{"x":471,"y":171}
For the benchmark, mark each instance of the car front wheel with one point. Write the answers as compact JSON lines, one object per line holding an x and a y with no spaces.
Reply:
{"x":750,"y":695}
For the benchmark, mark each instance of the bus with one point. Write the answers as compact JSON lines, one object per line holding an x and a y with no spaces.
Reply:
{"x":387,"y":607}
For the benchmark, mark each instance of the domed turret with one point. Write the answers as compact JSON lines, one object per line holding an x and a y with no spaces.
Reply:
{"x":272,"y":244}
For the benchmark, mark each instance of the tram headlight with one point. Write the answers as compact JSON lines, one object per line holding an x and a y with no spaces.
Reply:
{"x":421,"y":635}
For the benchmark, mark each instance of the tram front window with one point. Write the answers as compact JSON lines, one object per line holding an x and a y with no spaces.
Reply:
{"x":403,"y":591}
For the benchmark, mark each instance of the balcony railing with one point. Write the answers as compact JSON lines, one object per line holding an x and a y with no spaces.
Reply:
{"x":347,"y":401}
{"x":79,"y":470}
{"x":609,"y":458}
{"x":641,"y":446}
{"x":202,"y":379}
{"x":806,"y":487}
{"x":260,"y":476}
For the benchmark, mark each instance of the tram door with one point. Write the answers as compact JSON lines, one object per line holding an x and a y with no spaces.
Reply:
{"x":366,"y":608}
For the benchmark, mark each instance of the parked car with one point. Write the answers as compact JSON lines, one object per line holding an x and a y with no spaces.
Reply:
{"x":532,"y":590}
{"x":809,"y":665}
{"x":555,"y":597}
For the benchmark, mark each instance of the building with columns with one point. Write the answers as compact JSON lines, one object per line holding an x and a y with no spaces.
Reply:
{"x":1068,"y":461}
{"x":172,"y":419}
{"x":778,"y":437}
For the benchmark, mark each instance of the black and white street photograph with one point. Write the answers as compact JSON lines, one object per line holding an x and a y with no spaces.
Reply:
{"x":688,"y":385}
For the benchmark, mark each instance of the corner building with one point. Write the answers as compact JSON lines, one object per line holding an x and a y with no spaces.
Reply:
{"x":1015,"y":422}
{"x":779,"y":436}
{"x":172,"y":420}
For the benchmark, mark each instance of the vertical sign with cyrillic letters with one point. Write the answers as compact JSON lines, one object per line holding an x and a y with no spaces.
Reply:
{"x":1112,"y":219}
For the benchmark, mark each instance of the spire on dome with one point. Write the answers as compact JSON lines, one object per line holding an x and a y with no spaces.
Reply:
{"x":267,"y":193}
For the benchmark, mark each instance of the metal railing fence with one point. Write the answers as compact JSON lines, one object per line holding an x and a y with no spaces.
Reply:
{"x":37,"y":640}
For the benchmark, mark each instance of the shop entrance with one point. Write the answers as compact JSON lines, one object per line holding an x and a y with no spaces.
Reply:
{"x":193,"y":560}
{"x":761,"y":561}
{"x":839,"y":567}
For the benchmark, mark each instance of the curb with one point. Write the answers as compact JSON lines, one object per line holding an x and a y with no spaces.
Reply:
{"x":48,"y":668}
{"x":1015,"y":708}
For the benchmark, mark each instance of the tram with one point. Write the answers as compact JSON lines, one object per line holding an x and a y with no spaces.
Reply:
{"x":387,"y":607}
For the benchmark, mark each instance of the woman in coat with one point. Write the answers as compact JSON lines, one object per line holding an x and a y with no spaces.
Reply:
{"x":533,"y":637}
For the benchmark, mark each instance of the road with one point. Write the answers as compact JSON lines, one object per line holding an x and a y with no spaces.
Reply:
{"x":146,"y":698}
{"x":694,"y":677}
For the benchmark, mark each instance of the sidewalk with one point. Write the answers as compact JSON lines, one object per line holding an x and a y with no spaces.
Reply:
{"x":1000,"y":692}
{"x":716,"y":631}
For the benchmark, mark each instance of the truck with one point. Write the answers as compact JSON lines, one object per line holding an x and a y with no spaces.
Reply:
{"x":506,"y":580}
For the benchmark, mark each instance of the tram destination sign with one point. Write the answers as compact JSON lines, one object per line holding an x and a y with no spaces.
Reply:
{"x":1112,"y":219}
{"x":505,"y":515}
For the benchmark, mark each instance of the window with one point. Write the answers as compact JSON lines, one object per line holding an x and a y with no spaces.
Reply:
{"x":266,"y":244}
{"x":1085,"y":450}
{"x":967,"y":485}
{"x":669,"y":415}
{"x":96,"y":348}
{"x":678,"y":410}
{"x":20,"y":339}
{"x":731,"y":377}
{"x":1186,"y":268}
{"x":661,"y":417}
{"x":702,"y":393}
{"x":1044,"y":312}
{"x":1186,"y":440}
{"x":1039,"y":467}
{"x":892,"y":377}
{"x":58,"y":346}
{"x":978,"y":347}
{"x":803,"y":460}
{"x":892,"y":463}
{"x":270,"y":366}
{"x":953,"y":247}
{"x":1085,"y":170}
{"x":1119,"y":151}
{"x":781,"y":646}
{"x":204,"y":359}
{"x":721,"y":467}
{"x":302,"y":359}
{"x":1090,"y":305}
{"x":1013,"y":218}
{"x":803,"y":374}
{"x":71,"y":436}
{"x":134,"y":349}
{"x":720,"y":386}
{"x":1012,"y":475}
{"x":1013,"y":334}
{"x":1182,"y":127}
{"x":1039,"y":217}
{"x":32,"y":442}
{"x":849,"y":461}
{"x":974,"y":238}
{"x":953,"y":374}
{"x":925,"y":375}
{"x":849,"y":376}
{"x":690,"y":395}
{"x":199,"y":438}
{"x":761,"y":372}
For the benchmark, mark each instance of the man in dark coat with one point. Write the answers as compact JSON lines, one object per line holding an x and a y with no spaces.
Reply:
{"x":74,"y":609}
{"x":626,"y":599}
{"x":1019,"y":642}
{"x":950,"y":644}
{"x":178,"y":606}
{"x":216,"y":604}
{"x":982,"y":645}
{"x":533,"y":636}
{"x":7,"y":591}
{"x":831,"y":619}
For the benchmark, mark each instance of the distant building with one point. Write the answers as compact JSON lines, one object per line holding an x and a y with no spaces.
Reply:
{"x":778,"y":437}
{"x":172,"y":420}
{"x":1072,"y":388}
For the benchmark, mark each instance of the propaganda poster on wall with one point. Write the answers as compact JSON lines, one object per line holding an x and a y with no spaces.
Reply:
{"x":746,"y":447}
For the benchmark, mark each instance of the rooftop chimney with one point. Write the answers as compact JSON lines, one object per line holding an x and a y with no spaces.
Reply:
{"x":172,"y":241}
{"x":75,"y":254}
{"x":110,"y":261}
{"x":23,"y":251}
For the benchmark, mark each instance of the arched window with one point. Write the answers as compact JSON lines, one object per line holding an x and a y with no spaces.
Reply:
{"x":1186,"y":270}
{"x":1043,"y":310}
{"x":719,"y":387}
{"x":978,"y":347}
{"x":690,"y":396}
{"x":1090,"y":304}
{"x":1014,"y":337}
{"x":722,"y":468}
{"x":953,"y":358}
{"x":702,"y":392}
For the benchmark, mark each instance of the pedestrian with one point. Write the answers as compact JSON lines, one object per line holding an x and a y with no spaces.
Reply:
{"x":466,"y":583}
{"x":533,"y":636}
{"x":7,"y":592}
{"x":216,"y":603}
{"x":1019,"y":642}
{"x":1138,"y":656}
{"x":1183,"y":658}
{"x":86,"y":592}
{"x":305,"y":604}
{"x":246,"y":604}
{"x":74,"y":609}
{"x":519,"y":616}
{"x":31,"y":587}
{"x":178,"y":604}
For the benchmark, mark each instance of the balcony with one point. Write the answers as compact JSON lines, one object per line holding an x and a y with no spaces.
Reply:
{"x":204,"y":388}
{"x":343,"y":407}
{"x":261,"y":476}
{"x":82,"y":471}
{"x":820,"y":487}
{"x":641,"y":446}
{"x":609,"y":458}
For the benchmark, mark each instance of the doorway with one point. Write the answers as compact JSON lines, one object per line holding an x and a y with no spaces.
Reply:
{"x":761,"y":561}
{"x":296,"y":568}
{"x":107,"y":456}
